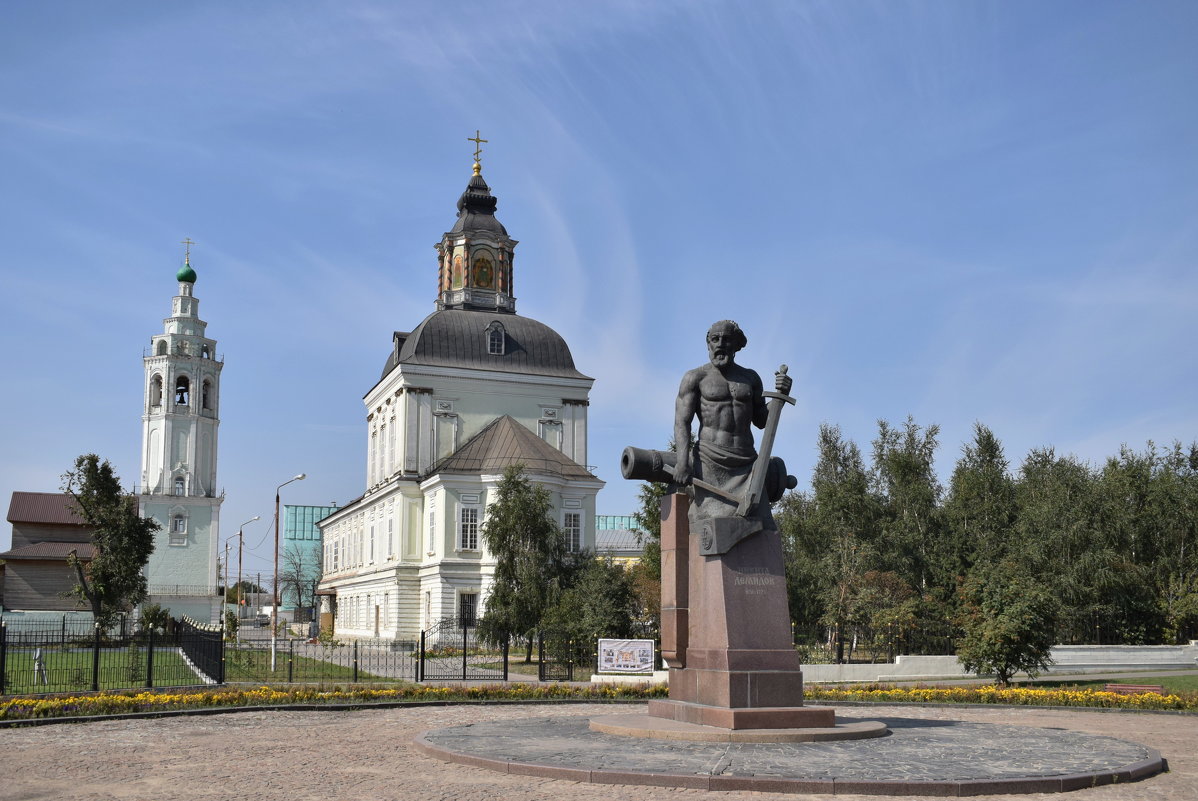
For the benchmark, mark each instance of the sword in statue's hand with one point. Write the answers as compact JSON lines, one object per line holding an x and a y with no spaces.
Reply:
{"x":761,"y":467}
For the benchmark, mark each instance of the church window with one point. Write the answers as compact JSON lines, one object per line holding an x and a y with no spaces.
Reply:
{"x":572,"y":528}
{"x":161,"y":350}
{"x":468,"y":608}
{"x":205,"y":353}
{"x":182,"y":391}
{"x":156,"y":391}
{"x":496,"y":339}
{"x":178,"y":532}
{"x":180,"y":485}
{"x":206,"y":396}
{"x":468,"y":528}
{"x":551,"y":432}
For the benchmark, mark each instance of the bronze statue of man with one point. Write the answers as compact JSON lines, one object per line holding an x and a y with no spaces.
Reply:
{"x":728,"y":399}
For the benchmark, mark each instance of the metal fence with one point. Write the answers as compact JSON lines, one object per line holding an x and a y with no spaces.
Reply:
{"x":452,"y":651}
{"x":300,"y":661}
{"x":37,"y":658}
{"x":859,"y":644}
{"x":203,"y":649}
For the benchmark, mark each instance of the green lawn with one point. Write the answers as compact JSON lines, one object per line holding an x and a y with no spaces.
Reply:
{"x":70,"y":670}
{"x":243,"y":664}
{"x":1172,"y":684}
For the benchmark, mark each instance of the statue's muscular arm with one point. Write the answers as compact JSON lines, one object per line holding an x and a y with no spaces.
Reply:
{"x":685,"y":409}
{"x":760,"y":410}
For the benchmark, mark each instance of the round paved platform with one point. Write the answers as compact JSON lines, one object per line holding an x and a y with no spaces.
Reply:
{"x":652,"y":728}
{"x":919,"y":757}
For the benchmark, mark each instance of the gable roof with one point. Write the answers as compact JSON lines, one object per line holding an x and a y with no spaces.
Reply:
{"x":56,"y":508}
{"x":503,"y":443}
{"x":51,"y":551}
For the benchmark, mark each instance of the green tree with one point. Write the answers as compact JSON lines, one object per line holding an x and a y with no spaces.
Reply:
{"x":829,"y":536}
{"x":1058,"y":531}
{"x":598,"y":603}
{"x":531,"y":559}
{"x":645,"y":575}
{"x":905,"y":480}
{"x":979,"y":514}
{"x":1009,"y":620}
{"x":113,"y":580}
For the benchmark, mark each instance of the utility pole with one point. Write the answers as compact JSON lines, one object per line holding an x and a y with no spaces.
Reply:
{"x":274,"y":609}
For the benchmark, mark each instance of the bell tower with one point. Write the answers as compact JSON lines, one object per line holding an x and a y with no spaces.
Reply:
{"x":475,"y":256}
{"x":180,"y":418}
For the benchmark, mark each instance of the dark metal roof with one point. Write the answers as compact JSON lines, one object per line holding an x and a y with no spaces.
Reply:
{"x":503,"y":443}
{"x":56,"y":508}
{"x":458,"y":338}
{"x":51,"y":551}
{"x":476,"y":209}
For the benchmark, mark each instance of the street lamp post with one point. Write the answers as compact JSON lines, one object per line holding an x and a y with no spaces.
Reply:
{"x":274,"y":609}
{"x":240,"y":586}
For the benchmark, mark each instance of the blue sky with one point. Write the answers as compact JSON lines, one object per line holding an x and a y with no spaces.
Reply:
{"x":955,"y":210}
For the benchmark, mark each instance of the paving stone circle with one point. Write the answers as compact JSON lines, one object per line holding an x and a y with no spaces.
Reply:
{"x":932,"y":757}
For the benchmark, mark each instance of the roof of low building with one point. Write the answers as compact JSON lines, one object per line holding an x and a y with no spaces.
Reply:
{"x":613,"y":540}
{"x":503,"y":443}
{"x":51,"y":551}
{"x":55,"y":508}
{"x":458,"y":338}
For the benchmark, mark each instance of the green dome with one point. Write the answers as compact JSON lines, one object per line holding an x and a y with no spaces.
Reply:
{"x":186,"y":274}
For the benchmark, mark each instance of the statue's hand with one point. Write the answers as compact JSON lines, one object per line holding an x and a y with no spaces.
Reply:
{"x":782,"y":383}
{"x":682,"y":471}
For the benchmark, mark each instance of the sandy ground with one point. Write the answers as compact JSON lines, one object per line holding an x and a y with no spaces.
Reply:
{"x":367,"y":755}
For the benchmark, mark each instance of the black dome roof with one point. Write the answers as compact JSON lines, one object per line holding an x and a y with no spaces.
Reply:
{"x":458,"y":338}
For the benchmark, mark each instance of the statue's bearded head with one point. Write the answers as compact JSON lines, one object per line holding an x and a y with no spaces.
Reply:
{"x":724,"y":339}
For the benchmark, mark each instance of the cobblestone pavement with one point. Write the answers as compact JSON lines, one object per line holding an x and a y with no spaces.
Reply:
{"x":365,"y":755}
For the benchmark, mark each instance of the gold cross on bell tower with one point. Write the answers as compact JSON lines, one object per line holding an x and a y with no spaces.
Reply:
{"x":478,"y":150}
{"x":187,"y":242}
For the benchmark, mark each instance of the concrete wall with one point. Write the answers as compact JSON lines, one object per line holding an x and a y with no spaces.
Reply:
{"x":1067,"y":659}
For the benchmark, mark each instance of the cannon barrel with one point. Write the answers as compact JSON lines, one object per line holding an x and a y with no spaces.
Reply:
{"x":643,"y":464}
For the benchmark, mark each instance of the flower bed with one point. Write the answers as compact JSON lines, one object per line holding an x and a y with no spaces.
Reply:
{"x":117,"y":703}
{"x":989,"y":694}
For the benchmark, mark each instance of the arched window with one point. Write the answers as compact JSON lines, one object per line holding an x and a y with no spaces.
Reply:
{"x":156,"y":391}
{"x":182,"y":391}
{"x":496,"y":339}
{"x":206,"y":398}
{"x":204,"y":352}
{"x":162,"y":347}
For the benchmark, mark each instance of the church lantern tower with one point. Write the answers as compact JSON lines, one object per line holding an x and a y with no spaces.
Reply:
{"x":476,"y":255}
{"x":180,"y":418}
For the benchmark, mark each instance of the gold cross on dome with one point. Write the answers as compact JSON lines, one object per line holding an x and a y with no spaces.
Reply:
{"x":478,"y":142}
{"x":187,"y":252}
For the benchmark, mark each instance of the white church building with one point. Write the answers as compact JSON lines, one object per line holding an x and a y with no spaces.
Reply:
{"x":473,"y":388}
{"x":180,"y":418}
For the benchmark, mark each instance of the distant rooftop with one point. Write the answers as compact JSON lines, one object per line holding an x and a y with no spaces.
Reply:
{"x":54,"y":508}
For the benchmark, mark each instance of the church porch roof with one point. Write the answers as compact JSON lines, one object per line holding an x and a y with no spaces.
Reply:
{"x":503,"y":443}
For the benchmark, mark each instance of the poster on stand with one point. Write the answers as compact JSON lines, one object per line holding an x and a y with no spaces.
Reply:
{"x":626,"y":656}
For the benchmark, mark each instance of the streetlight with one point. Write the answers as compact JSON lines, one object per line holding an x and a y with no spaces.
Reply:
{"x":274,"y":608}
{"x":240,"y":586}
